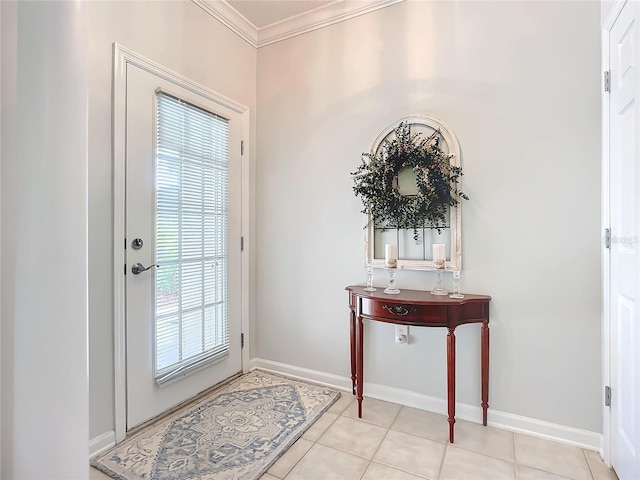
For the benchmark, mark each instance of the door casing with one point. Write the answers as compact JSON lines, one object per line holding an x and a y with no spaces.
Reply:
{"x":121,"y":58}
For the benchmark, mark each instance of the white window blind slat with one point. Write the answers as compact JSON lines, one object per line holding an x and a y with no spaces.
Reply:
{"x":192,"y":327}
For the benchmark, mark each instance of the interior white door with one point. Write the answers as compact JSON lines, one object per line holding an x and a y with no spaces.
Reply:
{"x":624,"y":155}
{"x":183,"y":216}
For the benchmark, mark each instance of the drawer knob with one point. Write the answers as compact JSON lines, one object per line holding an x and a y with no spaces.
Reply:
{"x":399,"y":310}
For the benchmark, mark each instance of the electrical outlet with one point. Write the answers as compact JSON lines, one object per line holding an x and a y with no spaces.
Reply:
{"x":402,"y":334}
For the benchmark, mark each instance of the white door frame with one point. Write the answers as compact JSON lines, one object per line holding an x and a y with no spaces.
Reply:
{"x":121,"y":58}
{"x":605,"y":450}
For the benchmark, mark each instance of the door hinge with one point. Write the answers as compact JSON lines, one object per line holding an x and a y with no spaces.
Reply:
{"x":607,"y":396}
{"x":242,"y":147}
{"x":607,"y":238}
{"x":125,"y":268}
{"x":242,"y":244}
{"x":242,"y":340}
{"x":607,"y":81}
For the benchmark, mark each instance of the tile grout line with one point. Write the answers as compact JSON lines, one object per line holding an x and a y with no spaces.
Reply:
{"x":444,"y":455}
{"x":314,"y":443}
{"x":382,"y":441}
{"x":584,"y":454}
{"x":374,"y":454}
{"x":548,"y":471}
{"x":296,"y":463}
{"x":417,"y":437}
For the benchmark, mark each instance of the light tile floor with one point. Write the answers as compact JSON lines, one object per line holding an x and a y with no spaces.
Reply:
{"x":392,"y":442}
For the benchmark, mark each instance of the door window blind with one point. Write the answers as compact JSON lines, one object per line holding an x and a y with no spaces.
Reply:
{"x":191,"y":311}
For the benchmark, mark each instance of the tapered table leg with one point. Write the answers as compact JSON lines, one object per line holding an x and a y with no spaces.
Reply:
{"x":359,"y":363}
{"x":451,"y":380}
{"x":485,"y":370}
{"x":353,"y":351}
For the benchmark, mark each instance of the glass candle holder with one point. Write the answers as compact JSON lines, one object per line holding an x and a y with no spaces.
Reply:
{"x":456,"y":285}
{"x":438,"y":289}
{"x":391,"y":288}
{"x":370,"y":287}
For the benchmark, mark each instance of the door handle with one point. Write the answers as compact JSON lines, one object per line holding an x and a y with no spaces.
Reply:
{"x":138,"y":268}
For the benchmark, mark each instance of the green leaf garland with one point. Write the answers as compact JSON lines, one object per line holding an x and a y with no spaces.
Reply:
{"x":375,"y":182}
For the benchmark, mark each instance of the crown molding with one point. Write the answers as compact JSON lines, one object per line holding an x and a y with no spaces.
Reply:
{"x":320,"y":17}
{"x":231,"y":18}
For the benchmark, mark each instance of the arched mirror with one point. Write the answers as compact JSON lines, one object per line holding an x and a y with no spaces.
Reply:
{"x":415,"y":245}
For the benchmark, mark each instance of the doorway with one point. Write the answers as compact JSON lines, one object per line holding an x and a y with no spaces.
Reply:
{"x":178,"y":220}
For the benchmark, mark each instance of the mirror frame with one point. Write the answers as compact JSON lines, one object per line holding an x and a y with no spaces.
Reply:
{"x":454,"y":256}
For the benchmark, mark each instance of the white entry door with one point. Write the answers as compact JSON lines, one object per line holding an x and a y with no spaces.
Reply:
{"x":624,"y":191}
{"x":183,"y":231}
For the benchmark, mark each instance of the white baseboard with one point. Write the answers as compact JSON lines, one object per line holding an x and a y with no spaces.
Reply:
{"x":506,"y":421}
{"x":102,"y":443}
{"x":321,"y":378}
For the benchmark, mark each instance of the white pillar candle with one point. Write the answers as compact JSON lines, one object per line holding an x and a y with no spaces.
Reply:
{"x":390,"y":255}
{"x":439,"y":256}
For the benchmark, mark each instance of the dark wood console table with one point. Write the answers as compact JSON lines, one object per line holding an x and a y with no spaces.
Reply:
{"x":420,"y":308}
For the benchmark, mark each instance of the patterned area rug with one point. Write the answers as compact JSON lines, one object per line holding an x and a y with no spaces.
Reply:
{"x":235,"y":433}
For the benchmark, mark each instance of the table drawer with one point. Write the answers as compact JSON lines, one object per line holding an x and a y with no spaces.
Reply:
{"x":397,"y":311}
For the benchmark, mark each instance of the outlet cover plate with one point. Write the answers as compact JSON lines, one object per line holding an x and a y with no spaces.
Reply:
{"x":402,"y":334}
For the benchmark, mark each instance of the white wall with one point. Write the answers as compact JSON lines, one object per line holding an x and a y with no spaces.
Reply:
{"x":518,"y":82}
{"x":521,"y":94}
{"x":185,"y":39}
{"x":605,"y":8}
{"x":44,"y":241}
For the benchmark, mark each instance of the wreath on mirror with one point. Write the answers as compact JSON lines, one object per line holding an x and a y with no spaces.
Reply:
{"x":437,"y":182}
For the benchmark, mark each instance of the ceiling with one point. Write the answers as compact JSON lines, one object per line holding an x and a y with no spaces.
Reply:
{"x":262,"y":13}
